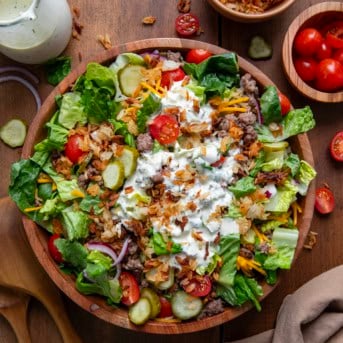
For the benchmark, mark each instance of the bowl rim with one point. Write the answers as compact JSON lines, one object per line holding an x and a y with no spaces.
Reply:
{"x":227,"y":11}
{"x":37,"y":237}
{"x":287,"y":52}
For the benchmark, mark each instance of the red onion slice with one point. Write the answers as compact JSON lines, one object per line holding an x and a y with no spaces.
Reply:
{"x":105,"y":249}
{"x":22,"y":70}
{"x":25,"y":83}
{"x":122,"y":252}
{"x":258,"y":110}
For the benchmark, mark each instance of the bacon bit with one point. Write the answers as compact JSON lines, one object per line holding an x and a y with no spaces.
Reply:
{"x":197,"y":235}
{"x":93,"y":190}
{"x":128,"y":190}
{"x":248,"y":265}
{"x":276,"y":177}
{"x":311,"y":240}
{"x":182,"y":223}
{"x":224,"y":144}
{"x":63,"y":166}
{"x":172,"y":111}
{"x":240,"y":157}
{"x":184,"y":6}
{"x":194,"y":127}
{"x":236,"y":132}
{"x":99,"y":165}
{"x":207,"y":245}
{"x":185,"y":81}
{"x":169,"y":245}
{"x":76,"y":11}
{"x":137,"y":226}
{"x":149,"y":20}
{"x":57,"y":226}
{"x":254,"y":149}
{"x":105,"y":41}
{"x":217,"y":239}
{"x":191,"y":206}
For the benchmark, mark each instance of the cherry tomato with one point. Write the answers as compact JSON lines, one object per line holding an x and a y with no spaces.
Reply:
{"x":306,"y":68}
{"x":325,"y":201}
{"x":73,"y":149}
{"x":338,"y":55}
{"x":220,"y":162}
{"x":165,"y":129}
{"x":166,"y":309}
{"x":172,"y":75}
{"x":197,"y":55}
{"x":284,"y":103}
{"x":324,"y":51}
{"x":334,"y":34}
{"x":54,"y":252}
{"x":203,"y":286}
{"x":336,"y":146}
{"x":329,"y":76}
{"x":130,"y":288}
{"x":187,"y":24}
{"x":307,"y":42}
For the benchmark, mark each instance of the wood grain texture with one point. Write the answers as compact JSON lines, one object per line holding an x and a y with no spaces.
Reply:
{"x":315,"y":16}
{"x":16,"y":101}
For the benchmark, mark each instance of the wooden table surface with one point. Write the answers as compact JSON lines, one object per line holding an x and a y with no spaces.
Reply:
{"x":121,"y":20}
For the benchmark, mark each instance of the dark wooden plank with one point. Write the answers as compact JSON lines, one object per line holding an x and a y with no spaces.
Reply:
{"x":329,"y":117}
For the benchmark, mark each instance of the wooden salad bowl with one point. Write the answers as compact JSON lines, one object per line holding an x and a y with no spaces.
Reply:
{"x":232,"y":14}
{"x":314,"y":16}
{"x":38,"y":237}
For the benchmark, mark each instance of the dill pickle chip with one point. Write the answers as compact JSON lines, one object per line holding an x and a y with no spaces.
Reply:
{"x":259,"y":49}
{"x":13,"y":133}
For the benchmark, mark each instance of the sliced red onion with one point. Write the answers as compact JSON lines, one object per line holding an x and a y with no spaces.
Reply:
{"x":123,"y":251}
{"x":25,"y":83}
{"x":105,"y":249}
{"x":22,"y":70}
{"x":258,"y":110}
{"x":268,"y":194}
{"x":118,"y":272}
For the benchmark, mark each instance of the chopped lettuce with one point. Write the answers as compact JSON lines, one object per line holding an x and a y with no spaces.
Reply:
{"x":295,"y":122}
{"x":243,"y":187}
{"x":75,"y":223}
{"x":101,"y":76}
{"x":57,"y":69}
{"x":270,"y":105}
{"x":274,"y":160}
{"x":304,"y":176}
{"x":91,"y":203}
{"x":149,"y":106}
{"x":160,"y":246}
{"x":56,"y":139}
{"x":71,"y":111}
{"x":293,"y":163}
{"x":260,"y":159}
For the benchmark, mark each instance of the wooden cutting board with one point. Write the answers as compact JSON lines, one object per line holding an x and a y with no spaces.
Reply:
{"x":22,"y":272}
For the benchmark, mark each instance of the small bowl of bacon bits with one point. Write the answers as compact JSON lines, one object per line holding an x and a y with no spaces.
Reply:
{"x":250,"y":11}
{"x":312,"y":52}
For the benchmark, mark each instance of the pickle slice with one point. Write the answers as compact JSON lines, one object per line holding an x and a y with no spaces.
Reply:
{"x":185,"y":306}
{"x":139,"y":313}
{"x":154,"y":301}
{"x":13,"y":133}
{"x":129,"y":160}
{"x":129,"y":78}
{"x":113,"y":175}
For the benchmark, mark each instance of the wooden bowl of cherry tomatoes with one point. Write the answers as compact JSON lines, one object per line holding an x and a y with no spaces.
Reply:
{"x":312,"y":52}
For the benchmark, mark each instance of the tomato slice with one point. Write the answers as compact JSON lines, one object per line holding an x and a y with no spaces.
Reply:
{"x":187,"y":24}
{"x":325,"y":201}
{"x":165,"y":129}
{"x":334,"y":34}
{"x":172,"y":75}
{"x":336,"y":147}
{"x":54,"y":252}
{"x":166,"y":309}
{"x":130,"y":288}
{"x":73,"y":149}
{"x":197,"y":55}
{"x":202,"y":284}
{"x":284,"y":103}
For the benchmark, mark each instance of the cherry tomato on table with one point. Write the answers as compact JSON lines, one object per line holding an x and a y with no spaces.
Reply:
{"x":203,"y":286}
{"x":325,"y":201}
{"x":336,"y":147}
{"x":73,"y":148}
{"x":284,"y":103}
{"x":187,"y":24}
{"x":130,"y":288}
{"x":329,"y":76}
{"x":306,"y":68}
{"x":165,"y":129}
{"x":166,"y":309}
{"x":54,"y":252}
{"x":172,"y":75}
{"x":334,"y":34}
{"x":338,"y":55}
{"x":307,"y":42}
{"x":197,"y":55}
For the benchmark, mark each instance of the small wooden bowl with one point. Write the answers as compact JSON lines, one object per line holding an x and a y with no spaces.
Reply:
{"x":230,"y":13}
{"x":314,"y":16}
{"x":38,"y":237}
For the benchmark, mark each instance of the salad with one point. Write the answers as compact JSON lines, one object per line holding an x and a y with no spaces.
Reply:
{"x":168,"y":185}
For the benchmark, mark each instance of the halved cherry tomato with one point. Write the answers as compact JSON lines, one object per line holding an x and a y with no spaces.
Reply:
{"x":73,"y":149}
{"x":336,"y":146}
{"x":307,"y":42}
{"x":172,"y":75}
{"x":306,"y":68}
{"x":284,"y":103}
{"x":325,"y":201}
{"x":202,"y":284}
{"x":334,"y":34}
{"x":54,"y":252}
{"x":197,"y":55}
{"x":338,"y":55}
{"x":324,"y":51}
{"x":329,"y":76}
{"x":165,"y":129}
{"x":166,"y":309}
{"x":220,"y":162}
{"x":187,"y":24}
{"x":130,"y":288}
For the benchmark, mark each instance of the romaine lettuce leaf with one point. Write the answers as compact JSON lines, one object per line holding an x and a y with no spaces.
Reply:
{"x":283,"y":198}
{"x":150,"y":105}
{"x":270,"y":105}
{"x":305,"y":175}
{"x":293,"y":163}
{"x":75,"y":223}
{"x":160,"y":245}
{"x":57,"y":69}
{"x":71,"y":111}
{"x":243,"y":186}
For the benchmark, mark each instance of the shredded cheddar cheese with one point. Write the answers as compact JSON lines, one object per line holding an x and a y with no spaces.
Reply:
{"x":248,"y":265}
{"x":77,"y":193}
{"x":32,"y":209}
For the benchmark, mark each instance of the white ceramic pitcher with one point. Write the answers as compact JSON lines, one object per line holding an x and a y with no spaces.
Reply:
{"x":34,"y":31}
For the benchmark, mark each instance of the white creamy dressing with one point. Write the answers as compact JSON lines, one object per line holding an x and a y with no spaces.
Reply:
{"x":208,"y":193}
{"x":41,"y":36}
